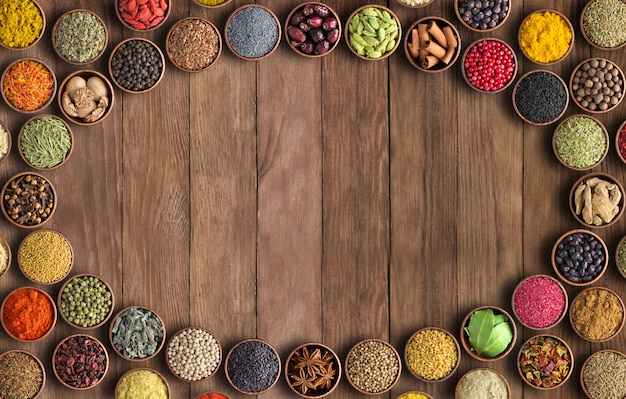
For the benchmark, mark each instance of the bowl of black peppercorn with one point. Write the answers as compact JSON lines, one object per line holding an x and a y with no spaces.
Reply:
{"x":482,"y":15}
{"x":136,"y":65}
{"x":579,"y":257}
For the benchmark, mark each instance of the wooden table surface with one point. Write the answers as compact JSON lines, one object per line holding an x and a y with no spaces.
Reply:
{"x":299,"y":200}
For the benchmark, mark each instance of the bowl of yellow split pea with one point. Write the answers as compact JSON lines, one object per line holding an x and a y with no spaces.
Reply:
{"x":546,"y":36}
{"x":432,"y":354}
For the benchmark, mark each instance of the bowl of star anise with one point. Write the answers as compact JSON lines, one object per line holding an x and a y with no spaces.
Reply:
{"x":313,"y":370}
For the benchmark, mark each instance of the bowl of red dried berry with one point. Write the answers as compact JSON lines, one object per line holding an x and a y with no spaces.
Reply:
{"x":80,"y":362}
{"x":141,"y":15}
{"x":313,"y":29}
{"x":489,"y":65}
{"x":432,"y":44}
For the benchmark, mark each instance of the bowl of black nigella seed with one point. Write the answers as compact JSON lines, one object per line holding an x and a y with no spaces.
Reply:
{"x":580,"y":257}
{"x":540,"y":97}
{"x":136,"y":65}
{"x":252,"y":366}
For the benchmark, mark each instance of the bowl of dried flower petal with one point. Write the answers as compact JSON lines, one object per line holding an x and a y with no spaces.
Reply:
{"x":313,"y":370}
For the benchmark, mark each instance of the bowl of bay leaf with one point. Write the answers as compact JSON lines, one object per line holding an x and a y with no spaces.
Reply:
{"x":488,"y":333}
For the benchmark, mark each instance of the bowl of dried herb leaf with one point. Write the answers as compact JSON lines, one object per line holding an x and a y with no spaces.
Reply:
{"x":545,"y":362}
{"x":45,"y":142}
{"x":137,"y":333}
{"x":488,"y":333}
{"x":79,"y":36}
{"x":313,"y":370}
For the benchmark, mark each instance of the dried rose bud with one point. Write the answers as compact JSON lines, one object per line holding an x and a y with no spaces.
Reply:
{"x":332,"y":36}
{"x":314,"y":21}
{"x":296,"y":34}
{"x":329,"y":23}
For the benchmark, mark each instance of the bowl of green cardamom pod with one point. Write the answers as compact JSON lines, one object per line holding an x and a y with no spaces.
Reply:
{"x":373,"y":32}
{"x":45,"y":142}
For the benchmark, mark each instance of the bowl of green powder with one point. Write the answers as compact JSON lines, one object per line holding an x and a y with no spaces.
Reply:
{"x":22,"y":24}
{"x":45,"y":142}
{"x":603,"y":24}
{"x":79,"y":36}
{"x":580,"y":142}
{"x":482,"y":383}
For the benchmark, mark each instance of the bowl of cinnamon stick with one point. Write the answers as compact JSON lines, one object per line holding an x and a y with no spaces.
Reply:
{"x":432,"y":44}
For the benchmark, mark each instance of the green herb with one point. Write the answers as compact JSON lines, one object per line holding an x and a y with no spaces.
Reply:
{"x":545,"y":361}
{"x":580,"y":142}
{"x":489,"y":334}
{"x":45,"y":142}
{"x":80,"y":37}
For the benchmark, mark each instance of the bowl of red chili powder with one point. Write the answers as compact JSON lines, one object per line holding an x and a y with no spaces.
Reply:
{"x":28,"y":314}
{"x":28,"y":85}
{"x":539,"y":302}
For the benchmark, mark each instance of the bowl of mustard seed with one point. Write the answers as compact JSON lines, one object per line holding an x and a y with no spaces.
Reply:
{"x":45,"y":256}
{"x":432,"y":354}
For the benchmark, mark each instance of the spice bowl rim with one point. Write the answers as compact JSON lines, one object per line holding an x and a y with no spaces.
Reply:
{"x":116,"y":48}
{"x":69,"y":244}
{"x":606,"y":136}
{"x":54,"y":82}
{"x":129,"y":26}
{"x":416,"y":6}
{"x":86,"y":74}
{"x":567,"y":22}
{"x":9,"y":141}
{"x":405,"y":43}
{"x":456,"y":344}
{"x":515,"y":63}
{"x":346,"y":32}
{"x":396,"y":354}
{"x":199,"y":396}
{"x":571,"y":82}
{"x":144,"y":368}
{"x":604,"y":176}
{"x":109,"y":313}
{"x":561,"y":287}
{"x":336,"y":359}
{"x":622,"y":126}
{"x":465,"y":339}
{"x":526,"y":75}
{"x":584,"y":33}
{"x":9,"y":255}
{"x":191,"y":18}
{"x":133,"y":359}
{"x":278,"y":27}
{"x":620,"y":243}
{"x":571,"y":364}
{"x":52,"y":189}
{"x":188,"y":328}
{"x":37,"y":360}
{"x":56,"y":25}
{"x":414,"y":392}
{"x":472,"y":370}
{"x":332,"y":12}
{"x":619,"y":299}
{"x":592,"y":355}
{"x":54,"y":314}
{"x":468,"y":26}
{"x":106,"y":364}
{"x":41,"y":34}
{"x":270,"y":347}
{"x":19,"y":142}
{"x":211,"y":7}
{"x":558,"y":272}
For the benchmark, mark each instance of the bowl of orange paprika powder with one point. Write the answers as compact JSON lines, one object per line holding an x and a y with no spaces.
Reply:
{"x":28,"y":314}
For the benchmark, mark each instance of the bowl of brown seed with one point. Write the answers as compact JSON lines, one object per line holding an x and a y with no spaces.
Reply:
{"x":24,"y":375}
{"x":373,"y":366}
{"x":28,"y":200}
{"x":597,"y":85}
{"x":193,"y":44}
{"x":598,"y":376}
{"x":313,"y":370}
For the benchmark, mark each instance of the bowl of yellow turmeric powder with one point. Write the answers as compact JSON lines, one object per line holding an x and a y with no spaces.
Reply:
{"x":22,"y":24}
{"x":546,"y":37}
{"x":211,"y":3}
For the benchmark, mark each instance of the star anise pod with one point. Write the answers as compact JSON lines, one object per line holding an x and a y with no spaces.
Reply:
{"x":302,"y":383}
{"x":325,"y":377}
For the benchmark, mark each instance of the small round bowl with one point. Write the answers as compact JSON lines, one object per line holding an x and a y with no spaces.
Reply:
{"x":212,"y":395}
{"x":539,"y":342}
{"x":6,"y":141}
{"x":312,"y":370}
{"x":477,"y":380}
{"x":5,"y":256}
{"x":142,"y":17}
{"x":577,"y":200}
{"x":575,"y":147}
{"x":539,"y":302}
{"x":530,"y":99}
{"x":193,"y":44}
{"x":152,"y":378}
{"x":207,"y":3}
{"x":18,"y":329}
{"x":590,"y":99}
{"x":21,"y":83}
{"x":41,"y":157}
{"x":445,"y":38}
{"x":415,"y":3}
{"x":465,"y":341}
{"x":245,"y":24}
{"x":465,"y":15}
{"x":12,"y":208}
{"x":544,"y":41}
{"x":502,"y":71}
{"x":425,"y":347}
{"x":205,"y":347}
{"x":85,"y":284}
{"x":313,"y":29}
{"x":80,"y":362}
{"x":590,"y":309}
{"x":365,"y":362}
{"x":119,"y":326}
{"x":26,"y":381}
{"x":611,"y":18}
{"x":599,"y":368}
{"x":410,"y":394}
{"x":620,"y":256}
{"x":562,"y":263}
{"x":116,"y":64}
{"x":88,"y":42}
{"x":620,"y":142}
{"x":45,"y":256}
{"x":355,"y":36}
{"x":25,"y":24}
{"x":98,"y":88}
{"x":252,"y":366}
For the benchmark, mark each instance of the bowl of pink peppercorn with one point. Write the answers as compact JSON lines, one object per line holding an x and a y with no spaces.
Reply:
{"x":539,"y":302}
{"x":489,"y":65}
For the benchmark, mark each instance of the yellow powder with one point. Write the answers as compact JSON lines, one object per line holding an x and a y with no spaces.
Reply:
{"x":21,"y":23}
{"x":545,"y":37}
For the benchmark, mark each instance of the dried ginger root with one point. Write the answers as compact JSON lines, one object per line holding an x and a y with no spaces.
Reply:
{"x":597,"y":201}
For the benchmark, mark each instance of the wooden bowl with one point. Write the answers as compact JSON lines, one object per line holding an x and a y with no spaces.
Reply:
{"x":407,"y":354}
{"x":620,"y":261}
{"x":407,"y":395}
{"x":5,"y":245}
{"x":352,"y":30}
{"x":18,"y":376}
{"x":160,"y":62}
{"x":86,"y":354}
{"x":439,"y":24}
{"x":620,"y":142}
{"x":557,"y":268}
{"x":459,"y":14}
{"x":195,"y":30}
{"x":105,"y":102}
{"x":608,"y":376}
{"x":135,"y":372}
{"x":23,"y":311}
{"x":367,"y":344}
{"x":599,"y":313}
{"x":223,"y":3}
{"x":78,"y":38}
{"x":540,"y":308}
{"x":538,"y":99}
{"x":8,"y":207}
{"x":234,"y":351}
{"x":583,"y":148}
{"x":44,"y":148}
{"x":542,"y":11}
{"x":199,"y":359}
{"x":154,"y":18}
{"x":42,"y":256}
{"x":406,"y":4}
{"x":506,"y":84}
{"x":308,"y":47}
{"x":549,"y":338}
{"x":77,"y":279}
{"x":465,"y":337}
{"x":305,"y":355}
{"x":202,"y":395}
{"x":586,"y":106}
{"x":231,"y":33}
{"x":113,"y":331}
{"x":43,"y":27}
{"x":605,"y":177}
{"x":586,"y":36}
{"x":4,"y":131}
{"x":487,"y":388}
{"x":9,"y":99}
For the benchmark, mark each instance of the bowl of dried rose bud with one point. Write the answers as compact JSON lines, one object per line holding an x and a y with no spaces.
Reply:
{"x":28,"y":200}
{"x":313,"y":370}
{"x":86,"y":97}
{"x":80,"y":362}
{"x":596,"y":200}
{"x":313,"y":29}
{"x":193,"y":44}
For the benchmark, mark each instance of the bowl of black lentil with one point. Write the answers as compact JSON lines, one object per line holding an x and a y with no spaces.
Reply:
{"x":580,"y":257}
{"x":432,"y":354}
{"x":481,"y":15}
{"x":86,"y":97}
{"x":602,"y":376}
{"x":137,"y":333}
{"x":24,"y":375}
{"x":205,"y":361}
{"x":252,"y":366}
{"x":252,"y":32}
{"x":597,"y":200}
{"x":312,"y":29}
{"x":375,"y":47}
{"x":313,"y":370}
{"x":86,"y":301}
{"x":193,"y":44}
{"x":32,"y":210}
{"x":540,"y":97}
{"x":373,"y":366}
{"x":80,"y":362}
{"x":45,"y":256}
{"x":136,"y":65}
{"x":79,"y":36}
{"x":603,"y":24}
{"x":580,"y":142}
{"x":597,"y":314}
{"x":45,"y":142}
{"x":437,"y":34}
{"x":597,"y":85}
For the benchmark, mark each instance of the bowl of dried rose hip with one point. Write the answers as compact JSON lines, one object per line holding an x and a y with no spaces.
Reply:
{"x":193,"y":44}
{"x":312,"y":29}
{"x":489,"y":65}
{"x":373,"y":32}
{"x":313,"y":370}
{"x":142,"y":15}
{"x":597,"y":85}
{"x":545,"y":362}
{"x":432,"y":44}
{"x":580,"y":257}
{"x":596,"y":200}
{"x":28,"y":200}
{"x":80,"y":362}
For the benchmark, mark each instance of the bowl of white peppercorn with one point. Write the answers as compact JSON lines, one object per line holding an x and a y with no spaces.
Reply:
{"x":373,"y":366}
{"x":597,"y":85}
{"x":206,"y":359}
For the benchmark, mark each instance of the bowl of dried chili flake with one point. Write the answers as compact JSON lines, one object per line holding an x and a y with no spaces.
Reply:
{"x":313,"y":370}
{"x":28,"y":85}
{"x":545,"y":361}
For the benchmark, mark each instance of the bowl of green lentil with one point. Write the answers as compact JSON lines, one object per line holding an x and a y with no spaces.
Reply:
{"x":22,"y":24}
{"x":545,"y":362}
{"x":32,"y":210}
{"x":252,"y":32}
{"x":142,"y":382}
{"x":45,"y":142}
{"x":488,"y":333}
{"x":205,"y":347}
{"x":79,"y":36}
{"x":24,"y":375}
{"x":546,"y":37}
{"x":602,"y":376}
{"x":373,"y":366}
{"x":596,"y":200}
{"x":137,"y":333}
{"x":5,"y":256}
{"x":603,"y":24}
{"x":373,"y":42}
{"x":432,"y":354}
{"x":482,"y":382}
{"x":312,"y":370}
{"x":45,"y":256}
{"x":597,"y":314}
{"x":597,"y":85}
{"x":86,"y":301}
{"x":580,"y":142}
{"x":86,"y":97}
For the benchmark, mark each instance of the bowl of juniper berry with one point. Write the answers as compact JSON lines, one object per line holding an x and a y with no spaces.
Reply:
{"x":136,"y":65}
{"x":580,"y":257}
{"x":482,"y":16}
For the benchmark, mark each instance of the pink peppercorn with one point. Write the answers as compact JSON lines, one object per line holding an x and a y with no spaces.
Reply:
{"x":489,"y":65}
{"x":539,"y":302}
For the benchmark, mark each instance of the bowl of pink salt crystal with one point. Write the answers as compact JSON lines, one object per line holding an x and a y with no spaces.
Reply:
{"x":539,"y":302}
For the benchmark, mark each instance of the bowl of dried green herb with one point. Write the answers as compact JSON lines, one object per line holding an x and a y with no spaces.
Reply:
{"x":45,"y":142}
{"x":602,"y":376}
{"x":24,"y":376}
{"x":86,"y":97}
{"x":603,"y":25}
{"x":79,"y":36}
{"x":580,"y":142}
{"x":545,"y":362}
{"x":313,"y":370}
{"x":620,"y":256}
{"x":488,"y":333}
{"x":137,"y":333}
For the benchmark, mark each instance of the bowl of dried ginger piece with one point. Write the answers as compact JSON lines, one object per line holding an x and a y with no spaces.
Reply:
{"x":596,"y":200}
